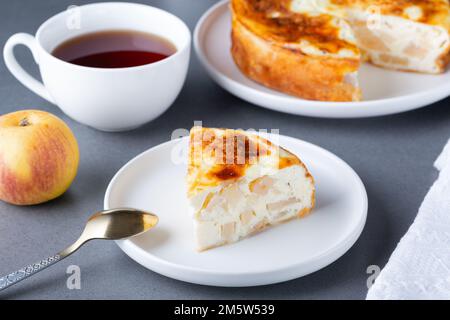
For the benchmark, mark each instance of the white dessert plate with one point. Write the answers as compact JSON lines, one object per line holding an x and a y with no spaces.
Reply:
{"x":155,"y":181}
{"x":385,"y":91}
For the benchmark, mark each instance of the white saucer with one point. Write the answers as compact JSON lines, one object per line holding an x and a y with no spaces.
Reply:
{"x":385,"y":91}
{"x":154,"y":182}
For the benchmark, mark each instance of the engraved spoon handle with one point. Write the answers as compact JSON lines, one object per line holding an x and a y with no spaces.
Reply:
{"x":32,"y":269}
{"x":27,"y":271}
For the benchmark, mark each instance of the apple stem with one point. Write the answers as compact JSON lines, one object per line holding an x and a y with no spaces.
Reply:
{"x":24,"y":122}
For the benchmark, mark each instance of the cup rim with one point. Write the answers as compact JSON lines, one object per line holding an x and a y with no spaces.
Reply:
{"x":179,"y":52}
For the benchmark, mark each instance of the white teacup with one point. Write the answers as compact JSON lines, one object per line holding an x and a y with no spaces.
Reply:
{"x":106,"y":99}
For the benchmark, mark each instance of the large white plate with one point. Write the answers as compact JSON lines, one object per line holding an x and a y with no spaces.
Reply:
{"x":385,"y":91}
{"x":154,"y":182}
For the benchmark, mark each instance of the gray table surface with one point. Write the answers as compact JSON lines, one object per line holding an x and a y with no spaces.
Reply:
{"x":393,"y":156}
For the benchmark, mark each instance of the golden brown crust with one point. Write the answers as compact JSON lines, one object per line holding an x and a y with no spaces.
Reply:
{"x":444,"y":60}
{"x":229,"y":153}
{"x":219,"y":156}
{"x":290,"y":71}
{"x":274,"y":21}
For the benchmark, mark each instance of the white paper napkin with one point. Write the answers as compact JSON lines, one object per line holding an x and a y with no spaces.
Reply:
{"x":419,"y":268}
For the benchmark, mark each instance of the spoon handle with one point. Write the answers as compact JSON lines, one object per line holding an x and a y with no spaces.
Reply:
{"x":28,"y":271}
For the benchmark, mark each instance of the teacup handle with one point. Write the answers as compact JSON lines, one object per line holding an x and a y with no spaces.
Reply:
{"x":16,"y":69}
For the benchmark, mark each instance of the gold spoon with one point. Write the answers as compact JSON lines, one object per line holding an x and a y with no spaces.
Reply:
{"x":106,"y":225}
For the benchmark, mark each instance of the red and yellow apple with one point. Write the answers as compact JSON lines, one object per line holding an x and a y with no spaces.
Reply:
{"x":39,"y":157}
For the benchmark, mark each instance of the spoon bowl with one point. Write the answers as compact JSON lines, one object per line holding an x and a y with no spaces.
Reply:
{"x":119,"y":224}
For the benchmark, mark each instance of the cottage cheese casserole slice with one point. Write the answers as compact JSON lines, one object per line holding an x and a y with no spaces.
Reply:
{"x":239,"y":184}
{"x":313,"y":48}
{"x":309,"y":55}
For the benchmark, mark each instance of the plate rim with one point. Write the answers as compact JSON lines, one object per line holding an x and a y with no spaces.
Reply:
{"x":176,"y":271}
{"x":427,"y":97}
